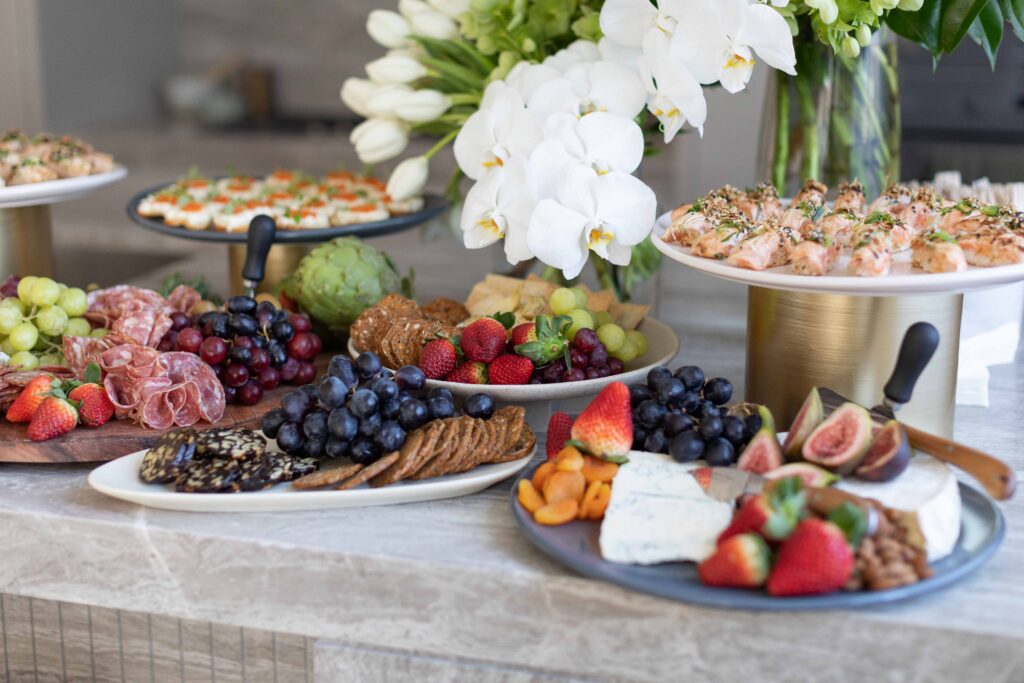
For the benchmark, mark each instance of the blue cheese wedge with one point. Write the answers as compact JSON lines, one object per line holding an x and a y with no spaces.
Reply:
{"x":659,"y":513}
{"x":928,"y":497}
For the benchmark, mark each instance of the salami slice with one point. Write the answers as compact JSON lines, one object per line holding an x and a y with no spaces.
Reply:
{"x":183,"y":298}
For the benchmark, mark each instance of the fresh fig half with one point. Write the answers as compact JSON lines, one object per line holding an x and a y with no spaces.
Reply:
{"x":841,"y":441}
{"x":812,"y":475}
{"x":762,"y":454}
{"x":810,"y":416}
{"x":888,"y":456}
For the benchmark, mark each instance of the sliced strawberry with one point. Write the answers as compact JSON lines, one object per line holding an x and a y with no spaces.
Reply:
{"x":740,"y":562}
{"x":559,"y":431}
{"x":605,"y":427}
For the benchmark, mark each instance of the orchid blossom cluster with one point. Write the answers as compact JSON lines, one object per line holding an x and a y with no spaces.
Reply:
{"x":548,"y":103}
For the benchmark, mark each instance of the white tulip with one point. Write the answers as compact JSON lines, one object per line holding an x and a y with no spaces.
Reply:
{"x":499,"y":206}
{"x":407,"y":8}
{"x":421,"y":106}
{"x":450,"y":8}
{"x":355,"y":92}
{"x":408,"y":179}
{"x":433,"y":24}
{"x":717,"y":41}
{"x":388,"y":28}
{"x":385,"y":100}
{"x":607,"y":214}
{"x":379,"y":139}
{"x":395,"y":68}
{"x":588,"y":87}
{"x":500,"y":129}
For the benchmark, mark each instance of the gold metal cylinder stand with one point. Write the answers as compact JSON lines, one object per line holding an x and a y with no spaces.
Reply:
{"x":281,"y":261}
{"x":798,"y":340}
{"x":26,"y":243}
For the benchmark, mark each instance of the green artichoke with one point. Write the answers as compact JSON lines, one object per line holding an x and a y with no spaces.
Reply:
{"x":338,"y":280}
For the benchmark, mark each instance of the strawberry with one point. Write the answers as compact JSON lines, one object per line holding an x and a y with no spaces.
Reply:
{"x":605,"y":427}
{"x":559,"y":431}
{"x":816,"y":558}
{"x":483,"y":340}
{"x":30,"y":398}
{"x":54,"y":417}
{"x":509,"y":368}
{"x":550,"y":342}
{"x":438,"y":358}
{"x":524,"y":332}
{"x":94,"y":406}
{"x":740,"y":562}
{"x":472,"y":372}
{"x":772,"y":514}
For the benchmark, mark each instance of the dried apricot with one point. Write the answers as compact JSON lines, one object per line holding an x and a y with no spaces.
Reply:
{"x":569,"y":460}
{"x":593,"y":488}
{"x":595,"y":469}
{"x":542,"y":474}
{"x":529,"y":497}
{"x":554,"y":514}
{"x":562,"y":485}
{"x":600,"y":503}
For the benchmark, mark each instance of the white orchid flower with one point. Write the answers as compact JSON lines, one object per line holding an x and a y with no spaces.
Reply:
{"x":675,"y":97}
{"x":355,"y":92}
{"x":388,"y":28}
{"x":500,"y":129}
{"x":451,"y":8}
{"x":628,"y":21}
{"x":585,"y":88}
{"x":385,"y":99}
{"x":421,"y":106}
{"x":611,"y":51}
{"x":499,"y":206}
{"x":379,"y":139}
{"x":717,"y":41}
{"x":579,"y":52}
{"x":526,"y":77}
{"x":607,"y":214}
{"x":409,"y":178}
{"x":395,"y":68}
{"x":432,"y":24}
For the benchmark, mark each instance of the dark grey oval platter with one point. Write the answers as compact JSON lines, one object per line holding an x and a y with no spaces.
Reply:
{"x":575,"y":545}
{"x":434,"y":205}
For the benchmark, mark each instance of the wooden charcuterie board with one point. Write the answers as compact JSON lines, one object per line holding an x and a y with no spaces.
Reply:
{"x":121,"y":437}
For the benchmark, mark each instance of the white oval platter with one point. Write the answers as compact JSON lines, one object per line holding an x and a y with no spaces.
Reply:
{"x":53,"y":191}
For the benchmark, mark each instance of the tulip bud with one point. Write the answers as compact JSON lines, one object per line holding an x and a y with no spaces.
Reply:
{"x":407,"y":8}
{"x":910,"y":5}
{"x":408,"y":179}
{"x":850,"y":47}
{"x":379,"y":139}
{"x":450,"y":8}
{"x":355,"y":92}
{"x":431,"y":24}
{"x":863,"y":35}
{"x":388,"y":28}
{"x":422,"y":106}
{"x":395,"y":68}
{"x":384,"y":102}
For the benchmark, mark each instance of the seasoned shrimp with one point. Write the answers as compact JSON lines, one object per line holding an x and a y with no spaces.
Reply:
{"x":894,"y":200}
{"x":839,"y":226}
{"x":898,"y":236}
{"x":757,"y":249}
{"x":690,"y":221}
{"x":923,"y":211}
{"x":871,"y":257}
{"x":802,"y":217}
{"x":720,"y":242}
{"x":850,"y":198}
{"x":816,"y":255}
{"x":937,"y":252}
{"x":993,"y":248}
{"x":32,"y":170}
{"x":761,"y":203}
{"x":812,"y":193}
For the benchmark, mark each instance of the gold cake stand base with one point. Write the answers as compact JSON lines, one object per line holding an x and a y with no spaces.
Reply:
{"x":799,"y":340}
{"x":282,"y":259}
{"x":26,"y":242}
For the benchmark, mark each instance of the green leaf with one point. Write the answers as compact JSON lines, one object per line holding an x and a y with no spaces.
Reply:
{"x":1013,"y":10}
{"x":852,"y":520}
{"x":955,"y":21}
{"x":408,"y":284}
{"x":507,"y":319}
{"x":92,"y":373}
{"x":987,"y":30}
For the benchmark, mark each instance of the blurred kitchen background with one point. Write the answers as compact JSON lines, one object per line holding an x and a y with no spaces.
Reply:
{"x":253,"y":85}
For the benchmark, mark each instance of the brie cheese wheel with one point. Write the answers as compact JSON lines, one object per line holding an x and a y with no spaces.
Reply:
{"x":929,"y":496}
{"x":659,"y":513}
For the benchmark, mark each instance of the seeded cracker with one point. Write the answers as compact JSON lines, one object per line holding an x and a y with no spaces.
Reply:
{"x":467,"y":428}
{"x":169,"y":456}
{"x":369,"y":471}
{"x":328,"y":477}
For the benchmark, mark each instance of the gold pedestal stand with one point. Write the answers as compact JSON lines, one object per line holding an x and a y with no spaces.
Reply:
{"x":799,"y":340}
{"x":282,"y":259}
{"x":26,"y":243}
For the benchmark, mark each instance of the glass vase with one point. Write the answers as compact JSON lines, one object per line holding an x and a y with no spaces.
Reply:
{"x":837,"y":119}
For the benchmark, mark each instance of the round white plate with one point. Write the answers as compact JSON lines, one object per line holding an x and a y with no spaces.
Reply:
{"x":120,"y":479}
{"x":53,"y":191}
{"x":903,"y":279}
{"x":662,"y":346}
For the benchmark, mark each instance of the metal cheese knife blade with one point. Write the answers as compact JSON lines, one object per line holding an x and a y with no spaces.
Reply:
{"x":728,"y":483}
{"x":917,"y":349}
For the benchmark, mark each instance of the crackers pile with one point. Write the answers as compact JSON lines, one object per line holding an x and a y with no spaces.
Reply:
{"x":396,"y":328}
{"x":448,"y":446}
{"x":219,"y":461}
